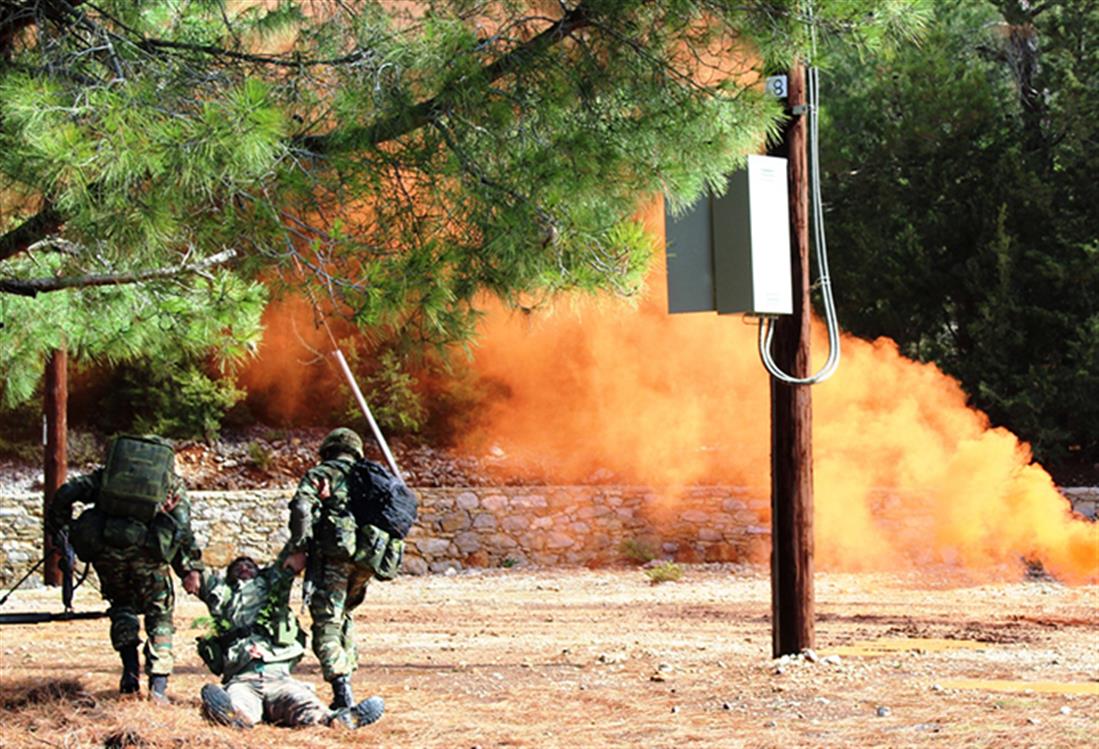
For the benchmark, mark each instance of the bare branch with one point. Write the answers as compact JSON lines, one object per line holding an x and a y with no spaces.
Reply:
{"x":34,"y":287}
{"x":47,"y":221}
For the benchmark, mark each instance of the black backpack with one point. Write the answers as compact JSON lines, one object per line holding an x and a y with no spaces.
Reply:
{"x":379,"y":498}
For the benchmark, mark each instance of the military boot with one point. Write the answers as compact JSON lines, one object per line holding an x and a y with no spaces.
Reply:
{"x":158,"y":687}
{"x":363,"y":714}
{"x":218,"y":707}
{"x":131,"y":671}
{"x":341,"y":693}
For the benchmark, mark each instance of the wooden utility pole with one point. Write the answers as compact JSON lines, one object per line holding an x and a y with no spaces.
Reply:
{"x":55,"y":407}
{"x":792,"y":628}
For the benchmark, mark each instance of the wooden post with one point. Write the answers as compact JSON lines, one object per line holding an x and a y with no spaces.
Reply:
{"x":55,"y":407}
{"x":792,"y":628}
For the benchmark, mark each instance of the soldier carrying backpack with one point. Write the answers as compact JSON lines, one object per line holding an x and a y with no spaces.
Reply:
{"x":351,"y":515}
{"x":135,"y":525}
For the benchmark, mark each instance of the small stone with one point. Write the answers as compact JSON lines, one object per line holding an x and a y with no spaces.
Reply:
{"x":779,"y":670}
{"x":657,"y":677}
{"x":450,"y":572}
{"x":823,"y":701}
{"x":810,"y":655}
{"x":1066,"y":710}
{"x":884,"y":712}
{"x":831,"y":660}
{"x":936,"y":687}
{"x":770,"y":724}
{"x":675,"y":708}
{"x":726,"y":706}
{"x":1033,"y":721}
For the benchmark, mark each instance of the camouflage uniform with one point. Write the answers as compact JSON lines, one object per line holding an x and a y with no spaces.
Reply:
{"x":340,"y":584}
{"x":257,"y":657}
{"x":132,"y":579}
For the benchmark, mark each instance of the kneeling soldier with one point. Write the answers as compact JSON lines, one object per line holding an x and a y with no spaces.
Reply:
{"x":257,"y":642}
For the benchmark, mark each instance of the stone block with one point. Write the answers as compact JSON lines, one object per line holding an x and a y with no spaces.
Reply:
{"x":484,"y":521}
{"x":721,"y":553}
{"x":501,"y":541}
{"x":468,"y":542}
{"x":694,"y":516}
{"x":517,"y":523}
{"x":529,"y":502}
{"x":431,"y":547}
{"x":495,"y":502}
{"x":476,"y":559}
{"x":413,"y":566}
{"x":455,"y":521}
{"x":580,"y":529}
{"x":710,"y":534}
{"x":559,"y":541}
{"x":467,"y":501}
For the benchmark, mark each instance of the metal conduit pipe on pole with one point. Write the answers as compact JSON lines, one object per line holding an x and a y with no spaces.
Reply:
{"x":389,"y":459}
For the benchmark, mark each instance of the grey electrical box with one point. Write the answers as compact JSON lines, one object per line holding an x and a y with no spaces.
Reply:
{"x":731,"y":253}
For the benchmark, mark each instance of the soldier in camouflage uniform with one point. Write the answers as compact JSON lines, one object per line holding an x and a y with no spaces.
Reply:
{"x":136,"y":582}
{"x":339,"y":585}
{"x":258,"y":645}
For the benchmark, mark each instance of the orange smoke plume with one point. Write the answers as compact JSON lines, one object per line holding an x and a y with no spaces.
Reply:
{"x":289,"y":381}
{"x":905,"y":473}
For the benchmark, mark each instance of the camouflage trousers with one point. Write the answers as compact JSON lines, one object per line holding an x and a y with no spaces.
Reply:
{"x":341,"y":587}
{"x":273,"y":696}
{"x":137,"y":587}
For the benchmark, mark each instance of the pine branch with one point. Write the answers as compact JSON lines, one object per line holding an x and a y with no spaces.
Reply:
{"x":36,"y":286}
{"x":422,"y":114}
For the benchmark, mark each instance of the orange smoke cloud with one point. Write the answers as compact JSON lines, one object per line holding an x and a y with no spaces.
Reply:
{"x":289,"y":381}
{"x":905,"y":473}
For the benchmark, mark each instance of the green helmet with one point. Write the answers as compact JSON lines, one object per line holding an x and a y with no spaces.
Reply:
{"x":342,"y":440}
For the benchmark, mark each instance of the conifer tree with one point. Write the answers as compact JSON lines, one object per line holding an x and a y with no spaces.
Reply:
{"x":401,"y":158}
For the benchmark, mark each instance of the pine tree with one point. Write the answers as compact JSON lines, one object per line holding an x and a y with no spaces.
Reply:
{"x":400,"y":158}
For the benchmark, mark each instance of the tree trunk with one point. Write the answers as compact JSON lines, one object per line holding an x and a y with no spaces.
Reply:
{"x":55,"y":407}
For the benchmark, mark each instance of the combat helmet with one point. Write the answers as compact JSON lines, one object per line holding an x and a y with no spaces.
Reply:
{"x":342,"y":440}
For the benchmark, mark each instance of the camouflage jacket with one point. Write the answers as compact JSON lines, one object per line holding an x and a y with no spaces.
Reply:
{"x":254,"y":618}
{"x":84,"y":489}
{"x":323,"y":487}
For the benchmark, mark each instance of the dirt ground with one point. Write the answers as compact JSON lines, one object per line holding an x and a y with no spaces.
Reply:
{"x":582,"y":658}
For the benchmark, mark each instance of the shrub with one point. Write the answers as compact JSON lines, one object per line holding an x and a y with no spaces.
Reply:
{"x":664,"y":572}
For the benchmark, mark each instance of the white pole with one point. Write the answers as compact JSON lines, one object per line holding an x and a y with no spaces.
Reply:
{"x":369,"y":416}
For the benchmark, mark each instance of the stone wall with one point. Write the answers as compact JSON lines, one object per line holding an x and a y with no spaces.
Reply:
{"x":489,"y":526}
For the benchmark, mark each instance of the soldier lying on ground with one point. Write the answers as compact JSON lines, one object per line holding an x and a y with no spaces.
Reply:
{"x":257,"y":643}
{"x":138,"y":525}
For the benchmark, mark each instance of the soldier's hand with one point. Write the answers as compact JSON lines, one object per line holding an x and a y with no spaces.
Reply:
{"x":295,"y":562}
{"x":192,"y":582}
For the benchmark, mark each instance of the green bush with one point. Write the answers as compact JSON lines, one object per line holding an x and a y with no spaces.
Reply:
{"x":664,"y":572}
{"x":177,"y":400}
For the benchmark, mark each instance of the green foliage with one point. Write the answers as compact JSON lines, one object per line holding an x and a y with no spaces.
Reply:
{"x":637,"y":550}
{"x":664,"y":572}
{"x":403,"y":160}
{"x":260,"y":456}
{"x":961,"y":199}
{"x":175,"y":399}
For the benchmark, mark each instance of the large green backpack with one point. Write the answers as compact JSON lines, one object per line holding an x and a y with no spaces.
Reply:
{"x":136,"y":478}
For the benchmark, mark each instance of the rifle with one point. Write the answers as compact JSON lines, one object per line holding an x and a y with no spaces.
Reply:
{"x":68,"y":587}
{"x":312,"y":575}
